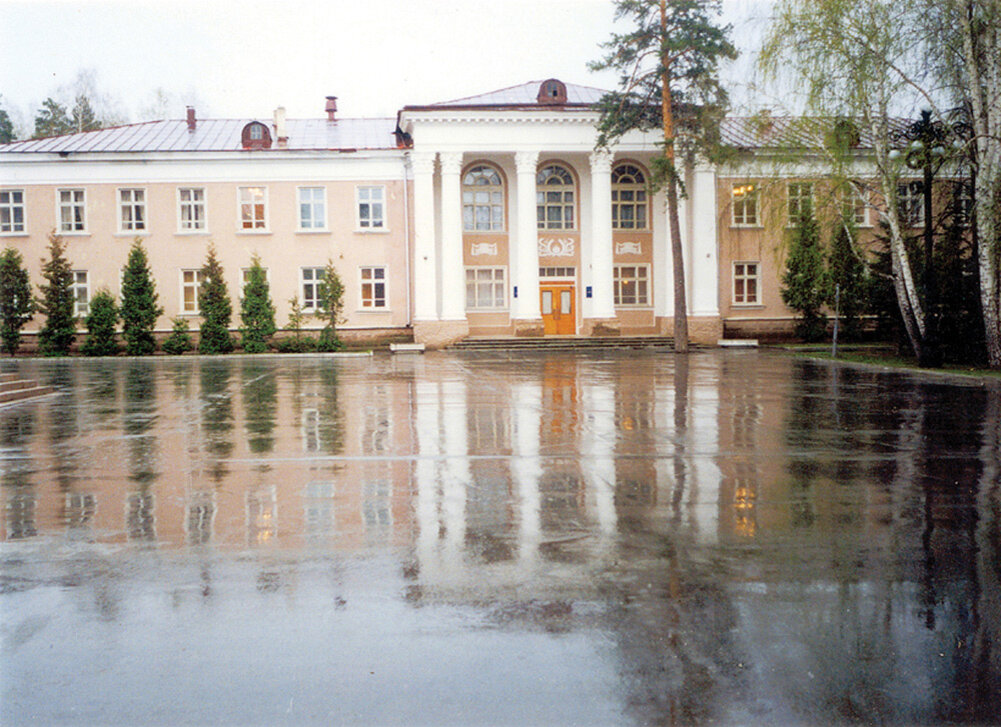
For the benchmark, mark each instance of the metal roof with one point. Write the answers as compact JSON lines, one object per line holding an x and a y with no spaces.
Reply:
{"x":764,"y":131}
{"x":525,"y":94}
{"x":216,"y":135}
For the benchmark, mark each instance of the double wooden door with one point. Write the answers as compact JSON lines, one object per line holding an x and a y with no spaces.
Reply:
{"x":557,"y":303}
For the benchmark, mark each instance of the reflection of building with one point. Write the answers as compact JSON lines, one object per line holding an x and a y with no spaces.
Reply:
{"x":488,"y":215}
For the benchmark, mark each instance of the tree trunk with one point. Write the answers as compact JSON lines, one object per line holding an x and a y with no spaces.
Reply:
{"x":677,"y":256}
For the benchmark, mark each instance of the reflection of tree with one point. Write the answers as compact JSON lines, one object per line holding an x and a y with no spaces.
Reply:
{"x":331,"y":416}
{"x":217,"y":413}
{"x":140,"y":419}
{"x":260,"y":405}
{"x":102,"y":392}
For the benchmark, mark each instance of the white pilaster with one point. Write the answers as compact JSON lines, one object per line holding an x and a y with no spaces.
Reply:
{"x":425,"y":254}
{"x":525,"y":247}
{"x":602,"y":301}
{"x":704,"y":265}
{"x":453,"y":288}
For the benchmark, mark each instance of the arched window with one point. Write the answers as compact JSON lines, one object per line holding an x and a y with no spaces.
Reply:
{"x":482,"y":199}
{"x":256,"y":136}
{"x":629,"y":198}
{"x":554,"y":198}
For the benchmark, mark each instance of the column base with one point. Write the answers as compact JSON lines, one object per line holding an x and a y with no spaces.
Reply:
{"x":600,"y":327}
{"x":701,"y":329}
{"x":528,"y":328}
{"x":439,"y":334}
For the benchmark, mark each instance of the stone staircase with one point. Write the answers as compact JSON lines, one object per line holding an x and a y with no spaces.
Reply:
{"x":567,"y":343}
{"x":13,"y":388}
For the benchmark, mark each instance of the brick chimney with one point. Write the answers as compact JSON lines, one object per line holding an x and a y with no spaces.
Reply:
{"x":331,"y":108}
{"x":191,"y":118}
{"x":281,"y":133}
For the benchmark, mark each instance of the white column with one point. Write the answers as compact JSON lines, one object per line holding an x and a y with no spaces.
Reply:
{"x":525,"y":247}
{"x":453,"y":286}
{"x":602,"y":301}
{"x":704,"y":259}
{"x":425,"y":255}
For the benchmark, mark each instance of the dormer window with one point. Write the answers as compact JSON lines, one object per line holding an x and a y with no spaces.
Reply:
{"x":552,"y":91}
{"x":256,"y":136}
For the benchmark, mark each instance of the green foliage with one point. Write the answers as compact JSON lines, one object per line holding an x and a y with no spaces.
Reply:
{"x":7,"y":134}
{"x":256,"y":311}
{"x":52,"y":120}
{"x":848,"y":274}
{"x":331,"y":303}
{"x":83,"y":116}
{"x":296,"y":344}
{"x":16,"y":304}
{"x":139,"y":303}
{"x":805,"y":283}
{"x":101,"y":323}
{"x":179,"y":340}
{"x":57,"y":301}
{"x":215,"y":307}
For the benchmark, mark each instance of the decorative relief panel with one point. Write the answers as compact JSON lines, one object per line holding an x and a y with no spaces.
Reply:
{"x":556,"y":246}
{"x":483,"y":248}
{"x":628,"y":248}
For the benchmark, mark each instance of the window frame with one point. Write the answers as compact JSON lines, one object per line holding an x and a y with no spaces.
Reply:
{"x":193,"y":204}
{"x":745,"y":197}
{"x":311,"y":305}
{"x":367,"y":223}
{"x":912,"y":214}
{"x":744,"y":277}
{"x":374,"y":282}
{"x":81,"y":309}
{"x":10,"y":207}
{"x":795,"y":202}
{"x":541,"y":189}
{"x":859,"y":199}
{"x":638,"y":188}
{"x":196,"y":284}
{"x":495,"y":226}
{"x":80,"y":205}
{"x":618,"y":280}
{"x":312,"y":204}
{"x":133,"y":205}
{"x":254,"y":229}
{"x":493,"y":284}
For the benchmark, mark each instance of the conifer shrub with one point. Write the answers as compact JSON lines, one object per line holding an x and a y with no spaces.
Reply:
{"x":57,"y":301}
{"x":101,"y":322}
{"x":331,"y":300}
{"x":296,"y":343}
{"x":139,"y":309}
{"x":215,"y":306}
{"x":179,"y":340}
{"x":257,"y":312}
{"x":805,"y":283}
{"x":848,"y":279}
{"x":16,"y":304}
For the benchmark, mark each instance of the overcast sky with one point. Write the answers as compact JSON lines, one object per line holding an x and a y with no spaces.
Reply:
{"x":242,"y":59}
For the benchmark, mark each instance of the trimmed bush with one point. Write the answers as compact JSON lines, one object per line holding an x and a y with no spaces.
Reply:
{"x":215,"y":306}
{"x":257,"y":312}
{"x":16,"y":304}
{"x":101,"y":324}
{"x":57,"y":301}
{"x":139,"y":303}
{"x":179,"y":340}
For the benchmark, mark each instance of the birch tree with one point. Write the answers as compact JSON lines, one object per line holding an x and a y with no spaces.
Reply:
{"x":668,"y":65}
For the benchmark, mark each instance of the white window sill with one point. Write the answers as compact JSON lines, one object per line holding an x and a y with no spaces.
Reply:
{"x":634,"y":306}
{"x":371,"y":230}
{"x":747,"y":227}
{"x":64,"y":233}
{"x":484,"y":232}
{"x":20,"y":233}
{"x":317,"y":231}
{"x":373,"y":310}
{"x":258,"y":231}
{"x":748,"y":306}
{"x":132,"y":233}
{"x":192,"y":233}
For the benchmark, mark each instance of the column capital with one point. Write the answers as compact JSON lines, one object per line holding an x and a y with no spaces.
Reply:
{"x":422,"y":162}
{"x":526,"y":161}
{"x":601,"y":161}
{"x":451,"y":162}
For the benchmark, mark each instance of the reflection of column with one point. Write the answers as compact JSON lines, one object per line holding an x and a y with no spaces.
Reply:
{"x":425,"y":258}
{"x":602,"y":304}
{"x":457,"y":475}
{"x":453,"y":287}
{"x":526,"y":239}
{"x":703,"y":495}
{"x":527,"y":469}
{"x":425,"y":475}
{"x":599,"y":445}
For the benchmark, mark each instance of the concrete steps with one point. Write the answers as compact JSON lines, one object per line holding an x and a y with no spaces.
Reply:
{"x":568,"y":343}
{"x":14,"y":389}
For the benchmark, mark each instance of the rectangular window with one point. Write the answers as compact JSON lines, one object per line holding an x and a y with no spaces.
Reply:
{"x":860,"y":206}
{"x":311,"y":279}
{"x":628,"y":209}
{"x":631,"y":285}
{"x":253,"y":208}
{"x":131,"y":210}
{"x":485,"y":288}
{"x":800,"y":201}
{"x":745,"y":283}
{"x":373,"y":287}
{"x":312,"y":208}
{"x":191,"y":209}
{"x":745,"y":205}
{"x":81,"y":293}
{"x":371,"y":208}
{"x":910,"y":199}
{"x":72,"y":210}
{"x":12,"y":211}
{"x":191,"y":281}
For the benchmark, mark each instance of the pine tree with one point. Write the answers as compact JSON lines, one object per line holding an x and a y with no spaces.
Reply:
{"x":805,"y":282}
{"x":6,"y":127}
{"x":16,"y":305}
{"x":139,"y":303}
{"x":256,"y":311}
{"x":57,"y":301}
{"x":52,"y":120}
{"x":102,"y":320}
{"x":216,"y":308}
{"x":331,"y":300}
{"x":849,"y":277}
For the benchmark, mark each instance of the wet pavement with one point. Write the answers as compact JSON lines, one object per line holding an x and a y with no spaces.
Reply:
{"x":605,"y":538}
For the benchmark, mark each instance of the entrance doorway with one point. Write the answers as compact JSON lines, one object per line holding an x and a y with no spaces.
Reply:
{"x":558,"y":315}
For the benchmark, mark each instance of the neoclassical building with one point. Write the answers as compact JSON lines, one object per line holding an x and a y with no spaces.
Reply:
{"x":488,"y":216}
